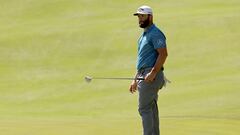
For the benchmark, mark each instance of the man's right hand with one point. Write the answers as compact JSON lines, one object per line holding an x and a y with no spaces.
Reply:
{"x":133,"y":86}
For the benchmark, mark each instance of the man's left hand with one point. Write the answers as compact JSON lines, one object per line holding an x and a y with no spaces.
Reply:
{"x":150,"y":76}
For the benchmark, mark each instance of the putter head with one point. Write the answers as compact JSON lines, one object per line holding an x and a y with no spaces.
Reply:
{"x":88,"y":79}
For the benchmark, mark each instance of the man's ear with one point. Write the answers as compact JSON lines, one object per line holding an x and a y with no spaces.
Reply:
{"x":150,"y":17}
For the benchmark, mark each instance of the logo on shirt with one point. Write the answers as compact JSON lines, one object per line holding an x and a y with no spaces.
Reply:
{"x":159,"y":42}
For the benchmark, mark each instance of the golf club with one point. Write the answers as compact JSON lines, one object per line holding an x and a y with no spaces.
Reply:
{"x":88,"y":79}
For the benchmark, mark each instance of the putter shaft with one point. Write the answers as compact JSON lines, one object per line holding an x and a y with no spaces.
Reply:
{"x":89,"y":79}
{"x":109,"y":78}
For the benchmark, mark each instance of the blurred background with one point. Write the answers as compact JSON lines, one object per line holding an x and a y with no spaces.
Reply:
{"x":48,"y":47}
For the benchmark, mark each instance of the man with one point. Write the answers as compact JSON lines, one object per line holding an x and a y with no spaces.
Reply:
{"x":152,"y":53}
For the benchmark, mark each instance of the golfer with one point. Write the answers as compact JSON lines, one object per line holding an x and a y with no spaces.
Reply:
{"x":152,"y":53}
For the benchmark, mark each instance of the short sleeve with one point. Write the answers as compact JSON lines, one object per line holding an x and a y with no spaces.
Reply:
{"x":158,"y":40}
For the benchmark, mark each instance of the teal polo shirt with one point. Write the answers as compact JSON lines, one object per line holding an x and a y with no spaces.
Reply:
{"x":148,"y":42}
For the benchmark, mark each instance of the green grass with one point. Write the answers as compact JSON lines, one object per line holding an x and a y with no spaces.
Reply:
{"x":47,"y":47}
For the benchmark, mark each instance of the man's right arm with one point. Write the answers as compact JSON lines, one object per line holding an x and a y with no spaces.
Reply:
{"x":133,"y":86}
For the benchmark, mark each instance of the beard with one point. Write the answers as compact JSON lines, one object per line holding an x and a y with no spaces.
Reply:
{"x":144,"y":24}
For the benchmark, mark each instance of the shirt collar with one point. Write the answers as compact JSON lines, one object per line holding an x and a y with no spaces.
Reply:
{"x":149,"y":28}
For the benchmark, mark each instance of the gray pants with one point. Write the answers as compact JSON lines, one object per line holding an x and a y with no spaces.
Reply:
{"x":148,"y":96}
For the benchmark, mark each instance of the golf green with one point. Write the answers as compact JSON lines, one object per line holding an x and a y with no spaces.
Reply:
{"x":48,"y":47}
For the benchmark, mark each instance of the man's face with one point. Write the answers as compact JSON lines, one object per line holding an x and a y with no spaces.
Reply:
{"x":143,"y":20}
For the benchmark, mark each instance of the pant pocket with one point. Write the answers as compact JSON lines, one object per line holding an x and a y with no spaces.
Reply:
{"x":159,"y":81}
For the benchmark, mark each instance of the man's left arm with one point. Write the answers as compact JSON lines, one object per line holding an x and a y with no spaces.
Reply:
{"x":162,"y":55}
